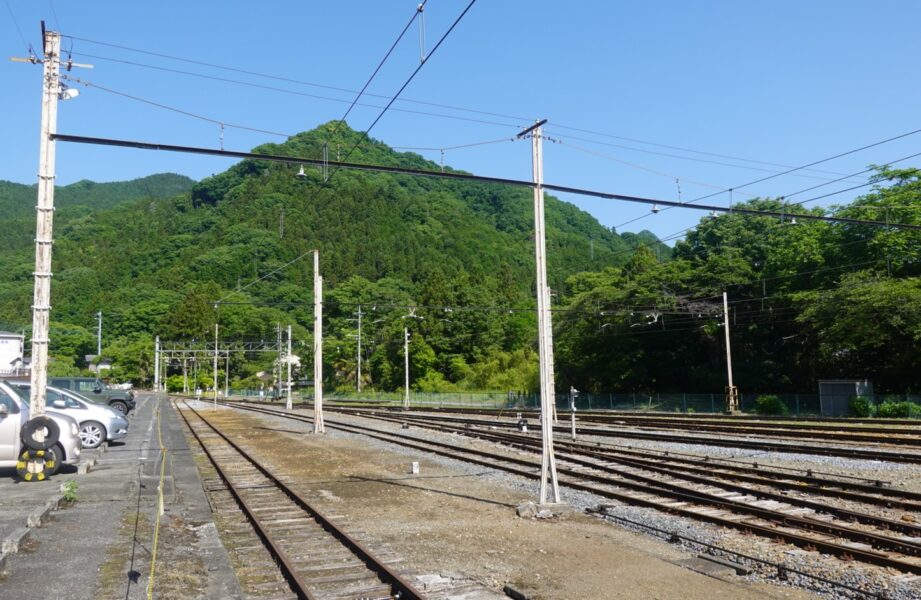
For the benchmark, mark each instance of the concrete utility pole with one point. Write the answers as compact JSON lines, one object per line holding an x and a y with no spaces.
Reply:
{"x":318,"y":424}
{"x":358,"y":374}
{"x":41,"y":304}
{"x":544,"y":324}
{"x":227,"y":375}
{"x":185,"y":375}
{"x":277,"y":369}
{"x":215,"y":366}
{"x":157,"y":365}
{"x":288,"y":404}
{"x":406,"y":368}
{"x":732,"y":393}
{"x":99,"y":336}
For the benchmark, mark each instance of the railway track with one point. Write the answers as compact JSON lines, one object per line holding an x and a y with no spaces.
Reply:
{"x":818,"y":447}
{"x":316,"y":558}
{"x":753,"y":509}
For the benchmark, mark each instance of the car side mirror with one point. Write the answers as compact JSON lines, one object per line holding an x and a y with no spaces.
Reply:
{"x":4,"y":410}
{"x":97,"y":390}
{"x":59,"y":404}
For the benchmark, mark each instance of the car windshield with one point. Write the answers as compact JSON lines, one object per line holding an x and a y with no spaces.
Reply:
{"x":23,"y":393}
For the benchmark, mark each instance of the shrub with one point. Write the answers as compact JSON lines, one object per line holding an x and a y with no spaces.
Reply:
{"x":898,"y":410}
{"x":861,"y":407}
{"x":770,"y":404}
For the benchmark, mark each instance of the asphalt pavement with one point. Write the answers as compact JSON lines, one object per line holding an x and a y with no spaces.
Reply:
{"x":101,"y":544}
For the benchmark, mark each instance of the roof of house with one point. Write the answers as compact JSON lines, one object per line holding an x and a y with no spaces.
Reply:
{"x":10,"y":334}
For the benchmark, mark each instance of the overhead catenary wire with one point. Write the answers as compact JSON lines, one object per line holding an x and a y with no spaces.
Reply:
{"x":422,"y":63}
{"x":295,"y":92}
{"x":26,"y":44}
{"x":810,"y":164}
{"x":701,"y":160}
{"x":416,"y":13}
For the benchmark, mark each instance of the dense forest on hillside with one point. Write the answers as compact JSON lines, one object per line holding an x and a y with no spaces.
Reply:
{"x":808,"y":299}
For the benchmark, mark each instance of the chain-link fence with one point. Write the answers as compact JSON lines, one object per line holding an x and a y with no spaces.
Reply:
{"x":684,"y":403}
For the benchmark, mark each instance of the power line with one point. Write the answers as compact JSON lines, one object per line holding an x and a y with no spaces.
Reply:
{"x":867,"y":170}
{"x":294,"y":92}
{"x":412,"y":19}
{"x":255,"y":281}
{"x":642,"y":168}
{"x":702,"y":160}
{"x":18,"y":29}
{"x":174,"y":109}
{"x":517,"y":118}
{"x":458,"y":176}
{"x":422,"y":63}
{"x":813,"y":163}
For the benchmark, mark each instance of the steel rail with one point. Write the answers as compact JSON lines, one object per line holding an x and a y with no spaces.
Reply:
{"x":685,"y":472}
{"x":856,"y":453}
{"x":528,"y":469}
{"x":402,"y":588}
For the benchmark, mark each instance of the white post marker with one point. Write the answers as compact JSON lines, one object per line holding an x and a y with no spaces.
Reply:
{"x":573,"y":394}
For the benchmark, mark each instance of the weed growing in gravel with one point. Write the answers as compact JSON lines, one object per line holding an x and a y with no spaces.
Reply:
{"x":70,"y":491}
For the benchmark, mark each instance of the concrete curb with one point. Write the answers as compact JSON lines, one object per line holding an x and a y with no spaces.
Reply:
{"x":10,"y":545}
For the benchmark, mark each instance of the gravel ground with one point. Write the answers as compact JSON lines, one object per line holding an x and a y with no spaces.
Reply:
{"x":870,"y":580}
{"x":458,"y":521}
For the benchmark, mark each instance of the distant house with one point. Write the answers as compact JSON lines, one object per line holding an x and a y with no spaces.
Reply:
{"x":11,"y":353}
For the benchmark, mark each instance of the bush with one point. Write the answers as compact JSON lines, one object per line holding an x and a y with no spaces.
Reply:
{"x":898,"y":410}
{"x":770,"y":404}
{"x":861,"y":407}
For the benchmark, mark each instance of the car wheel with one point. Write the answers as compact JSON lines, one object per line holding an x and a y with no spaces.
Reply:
{"x":120,"y":406}
{"x":92,"y":434}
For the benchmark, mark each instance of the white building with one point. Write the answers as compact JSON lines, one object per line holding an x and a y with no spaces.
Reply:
{"x":11,"y":353}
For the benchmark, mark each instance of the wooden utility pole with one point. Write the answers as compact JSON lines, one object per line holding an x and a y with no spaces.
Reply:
{"x":544,"y":325}
{"x":318,"y":424}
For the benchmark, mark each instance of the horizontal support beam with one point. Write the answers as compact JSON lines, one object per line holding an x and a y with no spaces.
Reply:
{"x":79,"y":139}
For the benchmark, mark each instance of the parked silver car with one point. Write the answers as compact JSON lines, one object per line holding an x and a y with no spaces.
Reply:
{"x":98,"y":422}
{"x":14,"y":411}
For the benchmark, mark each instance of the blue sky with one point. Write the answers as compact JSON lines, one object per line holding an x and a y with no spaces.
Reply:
{"x":784,"y":83}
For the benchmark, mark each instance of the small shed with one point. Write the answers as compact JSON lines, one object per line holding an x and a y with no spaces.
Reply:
{"x":835,"y":395}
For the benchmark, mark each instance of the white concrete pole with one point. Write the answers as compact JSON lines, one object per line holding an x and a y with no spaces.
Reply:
{"x":732,"y":396}
{"x":405,"y":368}
{"x":215,"y":365}
{"x":318,"y":423}
{"x":288,"y":404}
{"x":41,"y":303}
{"x":227,"y":375}
{"x":358,"y":374}
{"x":157,"y":365}
{"x":99,"y":336}
{"x":544,"y":324}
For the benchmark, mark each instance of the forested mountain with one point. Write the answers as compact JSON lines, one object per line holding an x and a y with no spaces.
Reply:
{"x":454,"y":263}
{"x":17,"y":201}
{"x":158,"y":265}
